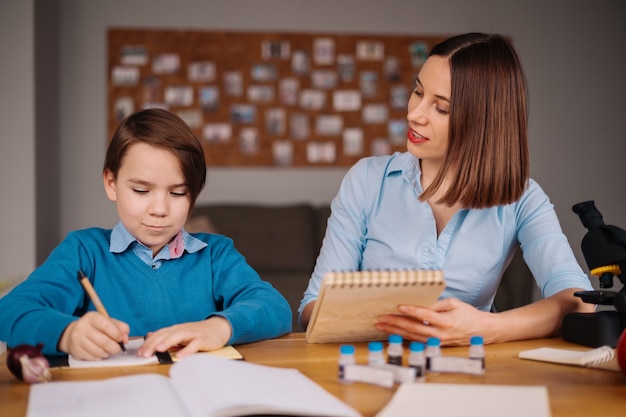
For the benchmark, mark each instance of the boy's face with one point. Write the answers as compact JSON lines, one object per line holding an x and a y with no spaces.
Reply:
{"x":151,"y":194}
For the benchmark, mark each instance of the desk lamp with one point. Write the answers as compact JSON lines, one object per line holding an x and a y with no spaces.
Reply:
{"x":604,"y":249}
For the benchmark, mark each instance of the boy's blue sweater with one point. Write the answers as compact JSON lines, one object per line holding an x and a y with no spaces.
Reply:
{"x":216,"y":280}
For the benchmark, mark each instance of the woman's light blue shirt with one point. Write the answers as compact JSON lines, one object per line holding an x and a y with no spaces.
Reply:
{"x":378,"y":223}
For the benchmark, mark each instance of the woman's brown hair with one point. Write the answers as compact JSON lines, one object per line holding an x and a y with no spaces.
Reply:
{"x":158,"y":127}
{"x":487,"y":161}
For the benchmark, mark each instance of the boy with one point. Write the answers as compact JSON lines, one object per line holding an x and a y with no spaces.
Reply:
{"x":155,"y":279}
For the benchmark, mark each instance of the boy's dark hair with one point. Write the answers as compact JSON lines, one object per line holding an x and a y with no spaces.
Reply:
{"x":158,"y":127}
{"x":487,"y":161}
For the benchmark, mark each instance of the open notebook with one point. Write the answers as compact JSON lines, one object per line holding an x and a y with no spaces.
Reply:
{"x":198,"y":386}
{"x":349,"y":303}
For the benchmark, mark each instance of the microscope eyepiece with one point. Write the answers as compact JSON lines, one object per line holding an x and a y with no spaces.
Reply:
{"x":589,"y":214}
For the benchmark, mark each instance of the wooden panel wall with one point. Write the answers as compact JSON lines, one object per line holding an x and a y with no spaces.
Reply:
{"x":271,"y":99}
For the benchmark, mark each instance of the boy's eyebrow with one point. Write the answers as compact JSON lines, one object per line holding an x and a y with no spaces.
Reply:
{"x":144,"y":182}
{"x":444,"y":98}
{"x":138,"y":181}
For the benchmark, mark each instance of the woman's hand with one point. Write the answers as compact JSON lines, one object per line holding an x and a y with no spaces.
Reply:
{"x":210,"y":334}
{"x":93,"y":337}
{"x":452,"y":321}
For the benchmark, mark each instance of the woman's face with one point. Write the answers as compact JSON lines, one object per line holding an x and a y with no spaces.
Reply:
{"x":428,"y":111}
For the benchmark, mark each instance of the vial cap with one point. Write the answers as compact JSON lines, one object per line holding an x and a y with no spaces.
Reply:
{"x":476,"y":340}
{"x":375,"y":346}
{"x":395,"y":338}
{"x":416,"y":347}
{"x":346,"y":349}
{"x":433,"y":341}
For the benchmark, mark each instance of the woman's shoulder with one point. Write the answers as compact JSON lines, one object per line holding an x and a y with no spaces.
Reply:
{"x":396,"y":158}
{"x":382,"y":165}
{"x":533,"y":198}
{"x":533,"y":201}
{"x":533,"y":192}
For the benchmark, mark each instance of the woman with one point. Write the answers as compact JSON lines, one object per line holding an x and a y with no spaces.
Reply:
{"x":460,"y":199}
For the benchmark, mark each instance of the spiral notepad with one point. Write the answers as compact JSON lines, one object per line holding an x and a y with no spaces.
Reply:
{"x":349,"y":303}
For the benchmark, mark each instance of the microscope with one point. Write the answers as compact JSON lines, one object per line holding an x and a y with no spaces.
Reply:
{"x":604,"y":249}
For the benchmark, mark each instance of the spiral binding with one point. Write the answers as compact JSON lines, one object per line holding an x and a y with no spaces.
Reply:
{"x":384,"y":278}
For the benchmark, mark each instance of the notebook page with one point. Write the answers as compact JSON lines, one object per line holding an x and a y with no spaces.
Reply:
{"x":219,"y":387}
{"x":135,"y":395}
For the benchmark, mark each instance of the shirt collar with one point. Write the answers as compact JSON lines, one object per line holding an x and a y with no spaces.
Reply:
{"x":121,"y":239}
{"x":408,"y":166}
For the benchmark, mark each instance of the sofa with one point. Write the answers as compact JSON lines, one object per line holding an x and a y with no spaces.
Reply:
{"x":281,"y":242}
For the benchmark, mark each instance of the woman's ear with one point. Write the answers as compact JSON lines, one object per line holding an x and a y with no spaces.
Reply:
{"x":109,"y":184}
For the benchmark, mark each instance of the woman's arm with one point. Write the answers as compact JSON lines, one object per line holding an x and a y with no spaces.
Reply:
{"x":342,"y":247}
{"x":305,"y":316}
{"x":455,"y":322}
{"x":542,"y":318}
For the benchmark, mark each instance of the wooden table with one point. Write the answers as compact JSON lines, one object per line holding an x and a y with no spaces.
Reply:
{"x":573,"y":391}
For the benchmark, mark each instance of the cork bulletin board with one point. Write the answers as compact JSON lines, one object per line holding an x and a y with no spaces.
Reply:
{"x":271,"y":99}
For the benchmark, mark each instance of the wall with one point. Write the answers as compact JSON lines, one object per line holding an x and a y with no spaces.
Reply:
{"x":572,"y":53}
{"x":17,"y":135}
{"x":47,"y":112}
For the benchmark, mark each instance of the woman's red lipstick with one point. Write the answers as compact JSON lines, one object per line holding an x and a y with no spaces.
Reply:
{"x":415,"y":137}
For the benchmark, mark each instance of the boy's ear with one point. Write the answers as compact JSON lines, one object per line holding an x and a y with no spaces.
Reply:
{"x":109,"y":184}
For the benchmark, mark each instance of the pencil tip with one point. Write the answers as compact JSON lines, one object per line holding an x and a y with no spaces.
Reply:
{"x":81,"y":274}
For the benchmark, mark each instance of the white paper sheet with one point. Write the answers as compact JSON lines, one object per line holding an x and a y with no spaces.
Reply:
{"x":128,"y":358}
{"x":468,"y":400}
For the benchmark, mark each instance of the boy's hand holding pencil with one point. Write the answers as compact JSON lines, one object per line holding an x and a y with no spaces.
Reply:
{"x":95,"y":335}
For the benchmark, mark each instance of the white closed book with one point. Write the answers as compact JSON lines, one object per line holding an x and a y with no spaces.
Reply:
{"x":602,"y":357}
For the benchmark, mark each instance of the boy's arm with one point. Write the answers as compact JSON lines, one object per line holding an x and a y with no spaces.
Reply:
{"x":253,"y":307}
{"x":40,"y":308}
